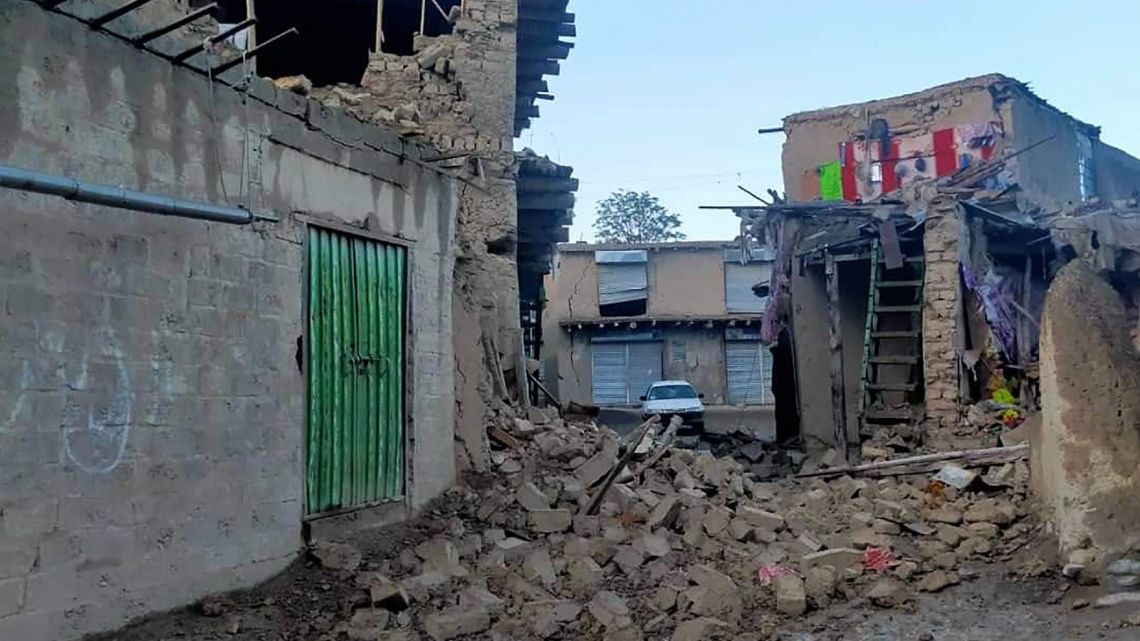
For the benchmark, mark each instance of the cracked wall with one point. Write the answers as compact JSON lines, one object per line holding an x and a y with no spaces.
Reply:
{"x":458,"y":92}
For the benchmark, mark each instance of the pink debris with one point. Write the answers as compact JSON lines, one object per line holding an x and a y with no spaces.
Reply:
{"x":878,"y":560}
{"x":769,"y":573}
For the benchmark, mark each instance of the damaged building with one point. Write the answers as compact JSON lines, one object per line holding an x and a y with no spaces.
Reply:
{"x":922,"y":258}
{"x":261,"y":264}
{"x":625,"y":315}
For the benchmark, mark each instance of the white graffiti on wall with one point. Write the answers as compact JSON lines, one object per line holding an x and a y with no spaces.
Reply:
{"x":97,"y":426}
{"x":22,"y":399}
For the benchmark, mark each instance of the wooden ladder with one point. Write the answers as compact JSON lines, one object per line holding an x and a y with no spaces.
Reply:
{"x":892,"y":343}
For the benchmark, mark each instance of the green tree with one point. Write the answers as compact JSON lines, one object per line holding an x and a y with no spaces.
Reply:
{"x":632,"y":217}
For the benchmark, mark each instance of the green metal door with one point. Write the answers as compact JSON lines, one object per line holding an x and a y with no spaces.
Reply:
{"x":355,"y":437}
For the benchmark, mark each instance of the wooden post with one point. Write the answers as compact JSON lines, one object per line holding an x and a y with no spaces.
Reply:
{"x":521,"y":378}
{"x":379,"y":26}
{"x":251,"y":36}
{"x":838,"y":395}
{"x":423,"y":16}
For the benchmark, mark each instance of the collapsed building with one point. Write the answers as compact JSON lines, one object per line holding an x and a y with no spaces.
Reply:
{"x":308,"y":338}
{"x":956,"y":260}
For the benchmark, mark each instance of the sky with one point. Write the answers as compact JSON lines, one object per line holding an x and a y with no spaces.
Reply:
{"x":666,"y":96}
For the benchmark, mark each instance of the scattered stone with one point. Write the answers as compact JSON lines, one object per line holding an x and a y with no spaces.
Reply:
{"x":629,"y":559}
{"x":367,"y":624}
{"x":819,"y":582}
{"x":456,"y":622}
{"x":610,"y":610}
{"x":739,"y":529}
{"x":585,"y":573}
{"x":300,"y":85}
{"x":655,"y":546}
{"x":841,"y":559}
{"x":665,"y":513}
{"x":539,"y":567}
{"x":385,"y":594}
{"x":888,"y":593}
{"x":699,"y":629}
{"x":983,"y":530}
{"x":477,"y":596}
{"x":791,"y":595}
{"x":336,"y":556}
{"x":937,"y":581}
{"x":595,"y":468}
{"x":665,"y":598}
{"x":532,"y":498}
{"x":711,"y":579}
{"x":1079,"y":604}
{"x":761,"y":518}
{"x":1120,"y":598}
{"x":548,"y":521}
{"x":990,"y":511}
{"x":946,"y":514}
{"x":716,"y":520}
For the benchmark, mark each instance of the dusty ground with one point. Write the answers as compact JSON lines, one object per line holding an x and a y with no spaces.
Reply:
{"x":993,"y":607}
{"x":760,"y":421}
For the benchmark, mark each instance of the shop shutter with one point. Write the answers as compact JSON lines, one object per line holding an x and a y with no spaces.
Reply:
{"x":738,"y":282}
{"x":749,"y":373}
{"x":622,"y":276}
{"x":609,"y":373}
{"x":644,"y":368}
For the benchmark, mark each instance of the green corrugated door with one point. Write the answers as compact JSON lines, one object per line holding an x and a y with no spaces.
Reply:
{"x":355,"y":440}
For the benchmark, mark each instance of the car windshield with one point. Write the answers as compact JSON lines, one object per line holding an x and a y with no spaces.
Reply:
{"x":670,"y":392}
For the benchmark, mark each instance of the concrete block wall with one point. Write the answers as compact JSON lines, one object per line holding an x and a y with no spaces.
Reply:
{"x":151,"y":403}
{"x":940,"y":320}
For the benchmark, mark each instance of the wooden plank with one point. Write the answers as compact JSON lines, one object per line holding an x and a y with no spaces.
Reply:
{"x":838,"y":393}
{"x":892,"y":252}
{"x":504,"y":438}
{"x":596,"y":502}
{"x":974,"y":458}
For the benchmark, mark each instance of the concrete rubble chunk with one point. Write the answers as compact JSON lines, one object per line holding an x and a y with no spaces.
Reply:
{"x":367,"y":624}
{"x":739,"y":529}
{"x":684,"y":481}
{"x":388,"y":595}
{"x":336,"y":556}
{"x":711,"y":579}
{"x":539,"y":567}
{"x":716,"y":520}
{"x":610,"y":610}
{"x":456,"y":622}
{"x":937,"y":581}
{"x":946,"y":514}
{"x":820,"y":582}
{"x":585,"y":573}
{"x":869,"y":538}
{"x":438,"y":554}
{"x":665,"y":599}
{"x":761,"y":518}
{"x":699,"y":629}
{"x":951,"y":535}
{"x":595,"y":468}
{"x":840,"y":558}
{"x":629,"y":559}
{"x":990,"y":511}
{"x":888,"y":593}
{"x":665,"y":514}
{"x":548,"y":521}
{"x":791,"y":595}
{"x":477,"y":596}
{"x":655,"y":545}
{"x":531,"y":497}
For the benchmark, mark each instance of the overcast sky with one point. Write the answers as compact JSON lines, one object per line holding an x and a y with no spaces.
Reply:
{"x":667,"y":95}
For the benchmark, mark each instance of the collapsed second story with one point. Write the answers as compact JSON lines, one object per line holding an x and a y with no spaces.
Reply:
{"x":679,"y":281}
{"x":859,"y":152}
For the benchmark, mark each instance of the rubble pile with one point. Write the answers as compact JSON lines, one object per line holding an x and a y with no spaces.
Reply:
{"x":684,"y":545}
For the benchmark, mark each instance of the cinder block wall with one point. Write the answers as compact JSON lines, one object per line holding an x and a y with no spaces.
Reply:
{"x":151,"y":403}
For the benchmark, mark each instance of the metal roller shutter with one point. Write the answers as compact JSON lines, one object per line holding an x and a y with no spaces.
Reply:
{"x":738,"y":282}
{"x":609,"y":373}
{"x":621,"y":283}
{"x":749,"y":373}
{"x":644,"y":368}
{"x":623,"y":371}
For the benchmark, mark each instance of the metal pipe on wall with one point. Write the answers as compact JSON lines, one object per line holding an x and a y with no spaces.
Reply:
{"x":109,"y":196}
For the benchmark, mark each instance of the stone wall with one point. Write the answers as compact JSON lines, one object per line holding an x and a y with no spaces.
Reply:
{"x":1086,"y":460}
{"x":151,"y":402}
{"x":940,"y":321}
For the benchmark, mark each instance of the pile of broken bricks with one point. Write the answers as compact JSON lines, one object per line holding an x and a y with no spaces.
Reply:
{"x":683,"y":547}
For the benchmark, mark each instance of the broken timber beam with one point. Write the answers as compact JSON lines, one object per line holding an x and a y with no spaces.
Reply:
{"x":919,"y":464}
{"x":596,"y":502}
{"x":838,"y":393}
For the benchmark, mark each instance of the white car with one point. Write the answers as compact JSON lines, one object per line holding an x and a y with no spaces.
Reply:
{"x":674,"y":398}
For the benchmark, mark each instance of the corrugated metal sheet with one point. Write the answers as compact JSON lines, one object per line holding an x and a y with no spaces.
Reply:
{"x":355,"y":437}
{"x":748,"y":367}
{"x":738,"y":282}
{"x":622,"y":282}
{"x":623,"y":371}
{"x":621,"y":256}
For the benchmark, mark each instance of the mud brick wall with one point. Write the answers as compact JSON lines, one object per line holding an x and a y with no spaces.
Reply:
{"x":459,"y":93}
{"x":940,"y":321}
{"x":151,"y":404}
